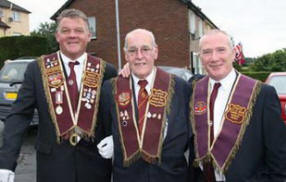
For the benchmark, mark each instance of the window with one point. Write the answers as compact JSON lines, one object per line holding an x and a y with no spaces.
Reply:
{"x":92,"y":26}
{"x":1,"y":12}
{"x":192,"y":22}
{"x":197,"y":65}
{"x":201,"y":28}
{"x":16,"y":16}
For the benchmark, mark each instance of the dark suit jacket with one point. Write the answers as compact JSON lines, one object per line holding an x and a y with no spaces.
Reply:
{"x":173,"y":167}
{"x":55,"y":162}
{"x":262,"y":154}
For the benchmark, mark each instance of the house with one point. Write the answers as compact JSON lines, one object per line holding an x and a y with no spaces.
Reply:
{"x":14,"y":20}
{"x":177,"y":25}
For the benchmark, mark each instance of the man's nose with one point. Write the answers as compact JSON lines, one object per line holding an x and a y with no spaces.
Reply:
{"x":139,"y":54}
{"x":214,"y":55}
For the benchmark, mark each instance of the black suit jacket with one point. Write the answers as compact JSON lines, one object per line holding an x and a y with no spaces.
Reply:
{"x":56,"y":162}
{"x":262,"y":154}
{"x":173,"y":167}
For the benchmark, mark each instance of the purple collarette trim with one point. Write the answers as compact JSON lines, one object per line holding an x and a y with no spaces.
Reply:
{"x":201,"y":119}
{"x":227,"y":139}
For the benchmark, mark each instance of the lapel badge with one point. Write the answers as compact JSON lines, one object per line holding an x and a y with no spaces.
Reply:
{"x":200,"y":107}
{"x":124,"y":98}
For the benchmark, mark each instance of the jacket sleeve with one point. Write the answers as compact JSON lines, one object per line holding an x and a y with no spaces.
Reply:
{"x":274,"y":132}
{"x":18,"y":120}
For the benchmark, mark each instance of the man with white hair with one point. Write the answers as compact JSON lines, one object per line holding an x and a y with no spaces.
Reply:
{"x":148,"y":116}
{"x":236,"y":120}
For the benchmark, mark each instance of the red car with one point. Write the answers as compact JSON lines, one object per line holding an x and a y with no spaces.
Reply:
{"x":278,"y":81}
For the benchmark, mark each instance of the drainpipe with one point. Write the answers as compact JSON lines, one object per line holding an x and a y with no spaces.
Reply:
{"x":118,"y":35}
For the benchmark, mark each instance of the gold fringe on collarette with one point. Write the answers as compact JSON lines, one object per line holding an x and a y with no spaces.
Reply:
{"x":208,"y":156}
{"x":44,"y":76}
{"x":149,"y":158}
{"x":94,"y":121}
{"x":193,"y":125}
{"x":255,"y":93}
{"x":126,"y":162}
{"x":157,"y":158}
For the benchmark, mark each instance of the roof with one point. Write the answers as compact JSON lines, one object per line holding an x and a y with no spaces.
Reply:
{"x":3,"y":25}
{"x":15,"y":7}
{"x":189,"y":3}
{"x":66,"y":5}
{"x":197,"y":10}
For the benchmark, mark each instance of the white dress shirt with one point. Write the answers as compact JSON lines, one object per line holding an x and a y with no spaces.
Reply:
{"x":150,"y":79}
{"x":220,"y":107}
{"x":77,"y":68}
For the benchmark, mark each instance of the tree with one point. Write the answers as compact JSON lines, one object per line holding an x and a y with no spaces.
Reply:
{"x":47,"y":30}
{"x":271,"y":62}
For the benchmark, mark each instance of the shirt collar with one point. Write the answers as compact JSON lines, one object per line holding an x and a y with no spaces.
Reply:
{"x":149,"y":79}
{"x":226,"y":82}
{"x":80,"y":59}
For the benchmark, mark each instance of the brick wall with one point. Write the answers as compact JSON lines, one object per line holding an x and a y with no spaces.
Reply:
{"x":167,"y":19}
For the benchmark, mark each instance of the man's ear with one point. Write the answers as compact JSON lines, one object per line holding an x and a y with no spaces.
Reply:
{"x":156,"y":53}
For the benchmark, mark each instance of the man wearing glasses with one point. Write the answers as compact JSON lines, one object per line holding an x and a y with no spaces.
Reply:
{"x":148,"y":115}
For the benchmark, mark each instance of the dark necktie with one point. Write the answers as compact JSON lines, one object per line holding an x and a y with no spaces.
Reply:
{"x":142,"y":103}
{"x":72,"y":85}
{"x":208,"y":167}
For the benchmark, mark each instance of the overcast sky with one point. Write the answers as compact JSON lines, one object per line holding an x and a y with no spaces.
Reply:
{"x":260,"y":25}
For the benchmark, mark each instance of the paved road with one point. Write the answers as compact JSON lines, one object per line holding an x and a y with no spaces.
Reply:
{"x":26,"y":169}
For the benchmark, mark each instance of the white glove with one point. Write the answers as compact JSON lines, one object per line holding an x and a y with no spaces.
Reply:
{"x":6,"y":175}
{"x":105,"y":147}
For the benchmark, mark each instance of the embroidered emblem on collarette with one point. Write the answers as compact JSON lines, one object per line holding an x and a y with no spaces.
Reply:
{"x":124,"y":98}
{"x":200,"y":107}
{"x":158,"y":98}
{"x":236,"y":113}
{"x":92,"y":75}
{"x":53,"y":72}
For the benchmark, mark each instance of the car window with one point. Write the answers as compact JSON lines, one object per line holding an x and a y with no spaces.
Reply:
{"x":278,"y":82}
{"x":13,"y":72}
{"x":180,"y":72}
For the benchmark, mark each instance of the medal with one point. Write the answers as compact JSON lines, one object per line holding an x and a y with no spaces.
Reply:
{"x":59,"y":110}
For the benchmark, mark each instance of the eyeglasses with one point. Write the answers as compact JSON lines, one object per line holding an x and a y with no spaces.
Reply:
{"x":143,"y":50}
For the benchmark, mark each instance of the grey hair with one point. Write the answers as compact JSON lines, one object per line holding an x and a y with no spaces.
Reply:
{"x":72,"y":13}
{"x":139,"y":30}
{"x":216,"y":31}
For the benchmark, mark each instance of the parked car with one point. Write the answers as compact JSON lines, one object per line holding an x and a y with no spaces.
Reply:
{"x":278,"y":81}
{"x":180,"y":72}
{"x":11,"y":78}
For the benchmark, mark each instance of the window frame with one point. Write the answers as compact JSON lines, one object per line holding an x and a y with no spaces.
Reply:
{"x":16,"y":16}
{"x":92,"y":26}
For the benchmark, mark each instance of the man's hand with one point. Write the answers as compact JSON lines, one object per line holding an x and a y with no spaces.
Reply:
{"x":6,"y":175}
{"x":105,"y":147}
{"x":125,"y":72}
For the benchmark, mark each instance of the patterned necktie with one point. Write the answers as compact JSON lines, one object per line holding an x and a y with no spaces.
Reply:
{"x":72,"y":85}
{"x":142,"y":103}
{"x":208,"y":167}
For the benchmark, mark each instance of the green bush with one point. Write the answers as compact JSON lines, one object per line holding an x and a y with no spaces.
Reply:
{"x":20,"y":46}
{"x":257,"y":75}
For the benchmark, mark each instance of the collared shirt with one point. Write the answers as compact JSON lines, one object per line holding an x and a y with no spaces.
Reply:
{"x":77,"y":68}
{"x":150,"y":79}
{"x":220,"y":107}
